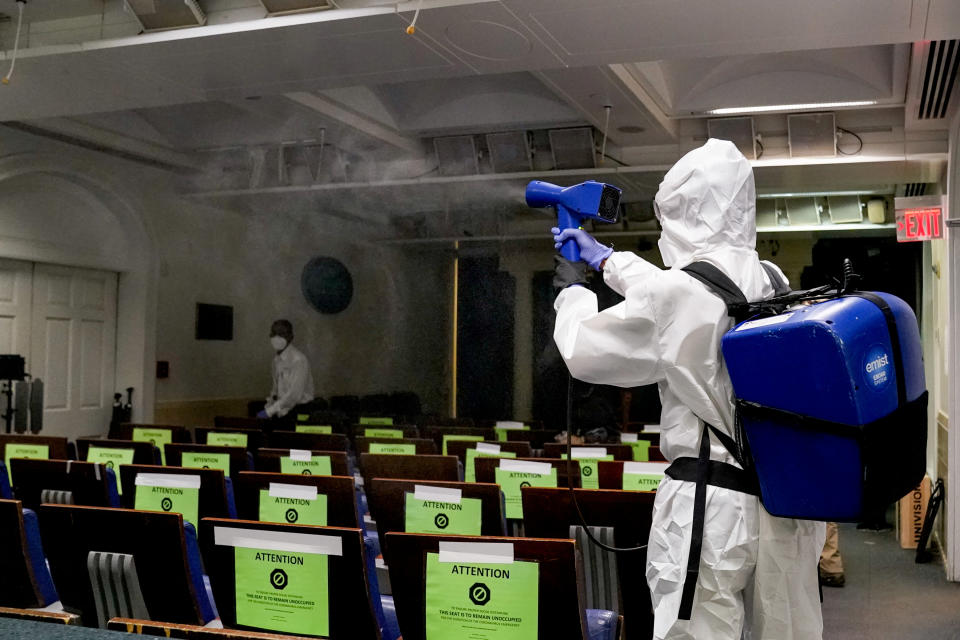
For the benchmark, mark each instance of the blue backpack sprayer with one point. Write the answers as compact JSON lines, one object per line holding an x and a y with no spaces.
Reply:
{"x":846,"y":433}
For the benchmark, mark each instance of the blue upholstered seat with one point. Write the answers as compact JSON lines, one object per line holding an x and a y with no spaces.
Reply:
{"x":207,"y":607}
{"x":38,"y":560}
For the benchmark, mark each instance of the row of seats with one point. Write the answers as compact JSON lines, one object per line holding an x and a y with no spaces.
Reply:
{"x":387,"y":483}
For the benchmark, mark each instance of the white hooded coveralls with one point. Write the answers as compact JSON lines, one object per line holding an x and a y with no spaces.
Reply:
{"x":758,"y":573}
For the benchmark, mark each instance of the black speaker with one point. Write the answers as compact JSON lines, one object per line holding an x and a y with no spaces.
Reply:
{"x":11,"y":367}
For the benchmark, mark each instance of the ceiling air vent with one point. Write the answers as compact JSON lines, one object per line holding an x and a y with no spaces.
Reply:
{"x":281,"y":7}
{"x":939,"y":79}
{"x":739,"y":131}
{"x":812,"y":134}
{"x":573,"y":148}
{"x":913,"y":189}
{"x":456,"y":155}
{"x":159,"y":15}
{"x":509,"y":152}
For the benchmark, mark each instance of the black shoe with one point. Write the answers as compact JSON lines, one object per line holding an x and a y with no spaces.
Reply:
{"x":832,"y":580}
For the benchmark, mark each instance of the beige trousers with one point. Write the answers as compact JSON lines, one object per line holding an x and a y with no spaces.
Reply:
{"x":830,"y":561}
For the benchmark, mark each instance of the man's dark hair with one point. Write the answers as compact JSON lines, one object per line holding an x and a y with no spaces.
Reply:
{"x":282,"y":328}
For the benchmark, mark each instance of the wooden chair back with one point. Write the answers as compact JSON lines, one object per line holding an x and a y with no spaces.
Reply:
{"x":255,"y":437}
{"x":618,"y":451}
{"x":486,"y":469}
{"x":18,"y":587}
{"x":387,"y":499}
{"x":374,"y":465}
{"x":269,"y":460}
{"x":340,"y":491}
{"x":308,"y":441}
{"x":422,"y":446}
{"x":58,"y":448}
{"x":238,"y":455}
{"x":212,"y":501}
{"x":351,"y":613}
{"x":536,"y":437}
{"x":436,"y":433}
{"x":459,"y":448}
{"x":143,"y":452}
{"x":179,"y":433}
{"x":154,"y":539}
{"x":361,"y":430}
{"x":560,"y":612}
{"x":550,"y":513}
{"x":610,"y":474}
{"x":87,"y":481}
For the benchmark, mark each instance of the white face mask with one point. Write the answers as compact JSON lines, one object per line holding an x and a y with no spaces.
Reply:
{"x":279,"y":343}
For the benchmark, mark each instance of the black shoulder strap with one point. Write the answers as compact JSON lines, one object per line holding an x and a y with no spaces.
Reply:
{"x":780,"y":286}
{"x":721,"y":284}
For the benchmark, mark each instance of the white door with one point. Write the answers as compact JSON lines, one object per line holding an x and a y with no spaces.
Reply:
{"x":15,"y":300}
{"x":73,"y":336}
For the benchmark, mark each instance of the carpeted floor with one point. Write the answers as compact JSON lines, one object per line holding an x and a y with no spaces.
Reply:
{"x":887,"y":596}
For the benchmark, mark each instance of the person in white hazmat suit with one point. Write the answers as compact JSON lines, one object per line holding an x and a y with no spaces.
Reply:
{"x":757,"y":573}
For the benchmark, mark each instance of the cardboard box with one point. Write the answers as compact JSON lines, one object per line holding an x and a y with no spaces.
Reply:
{"x":911,"y":511}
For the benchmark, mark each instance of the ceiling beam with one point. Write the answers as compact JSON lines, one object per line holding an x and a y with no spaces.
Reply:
{"x":364,"y":124}
{"x":637,"y":90}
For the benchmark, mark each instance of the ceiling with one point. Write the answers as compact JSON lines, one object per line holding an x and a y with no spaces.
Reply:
{"x":643,"y":72}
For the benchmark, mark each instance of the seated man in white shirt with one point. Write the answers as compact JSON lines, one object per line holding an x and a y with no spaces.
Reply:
{"x":292,"y":380}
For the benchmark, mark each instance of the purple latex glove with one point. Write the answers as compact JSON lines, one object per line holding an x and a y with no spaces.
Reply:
{"x":262,"y":414}
{"x":591,"y":251}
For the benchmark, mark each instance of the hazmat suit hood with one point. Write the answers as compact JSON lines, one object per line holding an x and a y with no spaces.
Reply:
{"x":707,"y":203}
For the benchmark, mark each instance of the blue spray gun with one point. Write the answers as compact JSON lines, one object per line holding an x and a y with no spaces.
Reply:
{"x":588,"y":199}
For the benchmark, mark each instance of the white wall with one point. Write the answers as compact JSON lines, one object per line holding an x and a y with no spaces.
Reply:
{"x":173,"y":252}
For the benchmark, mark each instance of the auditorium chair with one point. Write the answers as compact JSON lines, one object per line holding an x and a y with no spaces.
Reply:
{"x":559,"y":450}
{"x":308,"y":441}
{"x":339,"y":490}
{"x":486,"y":469}
{"x":51,"y":447}
{"x":238,"y":458}
{"x":417,"y":467}
{"x":353,"y":602}
{"x":268,"y":459}
{"x":387,"y":500}
{"x":143,"y":452}
{"x":436,"y":433}
{"x":616,"y":518}
{"x":369,"y":430}
{"x":144,"y":564}
{"x":422,"y":446}
{"x":216,"y":498}
{"x":63,"y":482}
{"x":191,"y":631}
{"x":560,"y":608}
{"x":24,"y":577}
{"x":611,"y":472}
{"x":254,"y":438}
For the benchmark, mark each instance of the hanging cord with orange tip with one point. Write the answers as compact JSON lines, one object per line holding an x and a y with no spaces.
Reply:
{"x":412,"y":29}
{"x":16,"y":42}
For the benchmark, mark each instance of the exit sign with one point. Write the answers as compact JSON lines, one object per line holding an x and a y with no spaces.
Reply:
{"x":919,"y":218}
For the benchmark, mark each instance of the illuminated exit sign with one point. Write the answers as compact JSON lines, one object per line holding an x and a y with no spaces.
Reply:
{"x":919,"y":218}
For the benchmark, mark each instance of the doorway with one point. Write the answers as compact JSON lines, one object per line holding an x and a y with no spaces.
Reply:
{"x":63,"y":321}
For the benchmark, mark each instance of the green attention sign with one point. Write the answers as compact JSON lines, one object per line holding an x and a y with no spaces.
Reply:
{"x":512,"y":481}
{"x":282,"y":591}
{"x":393,"y":449}
{"x":194,"y":460}
{"x":291,"y":510}
{"x":325,"y":429}
{"x":182,"y":500}
{"x":641,"y":481}
{"x":111,"y":459}
{"x":641,"y":450}
{"x":374,"y":420}
{"x":156,"y":437}
{"x":589,"y":471}
{"x":502,"y":431}
{"x":470,"y":470}
{"x":312,"y":466}
{"x":227,"y":439}
{"x":433,"y":516}
{"x":20,"y":450}
{"x":481,"y":601}
{"x":383,"y":433}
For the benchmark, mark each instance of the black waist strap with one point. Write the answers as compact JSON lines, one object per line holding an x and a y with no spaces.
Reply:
{"x":704,"y":471}
{"x":719,"y":474}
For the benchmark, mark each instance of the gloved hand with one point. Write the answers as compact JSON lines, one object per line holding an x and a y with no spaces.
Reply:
{"x":566,"y":273}
{"x":591,"y":251}
{"x":262,"y":414}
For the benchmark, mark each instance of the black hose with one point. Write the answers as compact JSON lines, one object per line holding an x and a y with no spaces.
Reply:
{"x":573,"y":493}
